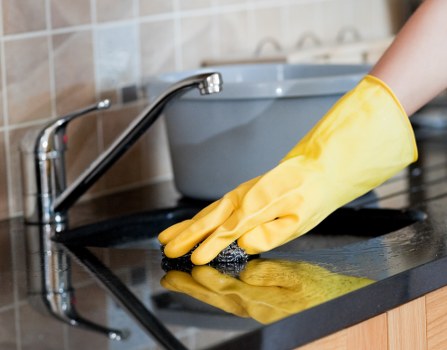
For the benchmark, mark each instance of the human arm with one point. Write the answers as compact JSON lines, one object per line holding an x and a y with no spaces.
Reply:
{"x":415,"y":64}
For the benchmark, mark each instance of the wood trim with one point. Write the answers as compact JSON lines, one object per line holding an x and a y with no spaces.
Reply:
{"x":336,"y":341}
{"x":369,"y":335}
{"x":436,"y":306}
{"x":407,"y":326}
{"x":418,"y":325}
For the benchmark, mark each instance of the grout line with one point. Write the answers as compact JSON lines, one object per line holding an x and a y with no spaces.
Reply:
{"x":14,"y":257}
{"x":215,"y":29}
{"x":6,"y":127}
{"x":139,"y":68}
{"x":99,"y":116}
{"x":51,"y":60}
{"x":178,"y":51}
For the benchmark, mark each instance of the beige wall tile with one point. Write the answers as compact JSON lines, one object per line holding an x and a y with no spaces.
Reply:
{"x":380,"y":18}
{"x":112,"y":10}
{"x":267,"y":24}
{"x":233,"y":29}
{"x":67,"y":13}
{"x":75,"y":87}
{"x":20,"y":16}
{"x":82,"y":148}
{"x":127,"y":170}
{"x":371,"y":18}
{"x":27,"y":80}
{"x":197,"y":40}
{"x":15,"y":137}
{"x":4,"y":209}
{"x":146,"y":160}
{"x":194,"y":4}
{"x":151,"y":7}
{"x":117,"y":64}
{"x":157,"y":51}
{"x":302,"y":19}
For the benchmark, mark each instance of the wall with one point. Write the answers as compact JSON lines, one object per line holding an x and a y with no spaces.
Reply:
{"x":59,"y":55}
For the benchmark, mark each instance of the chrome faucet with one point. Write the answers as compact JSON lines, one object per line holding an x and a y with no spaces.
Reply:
{"x":46,"y":197}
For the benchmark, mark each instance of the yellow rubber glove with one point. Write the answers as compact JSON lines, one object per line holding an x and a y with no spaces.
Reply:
{"x":267,"y":290}
{"x":363,"y":140}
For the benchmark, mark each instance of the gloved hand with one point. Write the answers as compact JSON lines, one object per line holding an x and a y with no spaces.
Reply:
{"x":363,"y":140}
{"x":267,"y":290}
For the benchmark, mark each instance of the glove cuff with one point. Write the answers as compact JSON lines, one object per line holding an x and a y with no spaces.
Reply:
{"x":405,"y":118}
{"x":372,"y":99}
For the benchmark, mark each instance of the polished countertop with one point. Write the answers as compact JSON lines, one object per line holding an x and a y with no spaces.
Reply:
{"x":381,"y":251}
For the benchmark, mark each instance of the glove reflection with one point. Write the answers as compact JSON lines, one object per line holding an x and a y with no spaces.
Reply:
{"x":266,"y":290}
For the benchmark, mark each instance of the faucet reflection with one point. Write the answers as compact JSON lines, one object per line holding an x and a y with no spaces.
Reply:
{"x":49,"y":282}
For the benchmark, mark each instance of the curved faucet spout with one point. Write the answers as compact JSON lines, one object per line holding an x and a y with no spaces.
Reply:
{"x":206,"y":83}
{"x":52,"y":205}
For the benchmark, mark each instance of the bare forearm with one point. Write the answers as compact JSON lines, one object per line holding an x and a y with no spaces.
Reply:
{"x":415,"y":65}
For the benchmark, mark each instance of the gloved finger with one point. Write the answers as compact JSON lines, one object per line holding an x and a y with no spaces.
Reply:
{"x":173,"y":231}
{"x":183,"y":282}
{"x":206,"y":222}
{"x":231,"y":230}
{"x":212,"y":246}
{"x":199,"y":229}
{"x":269,"y":235}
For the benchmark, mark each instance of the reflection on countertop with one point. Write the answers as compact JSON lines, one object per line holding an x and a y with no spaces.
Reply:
{"x":204,"y":307}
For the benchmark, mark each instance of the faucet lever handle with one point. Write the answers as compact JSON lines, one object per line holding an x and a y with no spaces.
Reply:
{"x":63,"y":121}
{"x":52,"y":135}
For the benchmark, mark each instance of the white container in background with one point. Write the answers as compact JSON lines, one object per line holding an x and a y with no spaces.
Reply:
{"x":221,"y":140}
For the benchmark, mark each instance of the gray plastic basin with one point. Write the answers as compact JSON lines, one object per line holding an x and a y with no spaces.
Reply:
{"x":221,"y":140}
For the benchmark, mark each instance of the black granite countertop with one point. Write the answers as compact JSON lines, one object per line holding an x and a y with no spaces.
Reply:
{"x":386,"y":249}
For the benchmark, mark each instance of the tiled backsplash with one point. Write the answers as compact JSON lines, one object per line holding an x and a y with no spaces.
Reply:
{"x":59,"y":55}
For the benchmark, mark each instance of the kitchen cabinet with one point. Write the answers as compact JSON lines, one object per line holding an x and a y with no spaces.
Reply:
{"x":420,"y":324}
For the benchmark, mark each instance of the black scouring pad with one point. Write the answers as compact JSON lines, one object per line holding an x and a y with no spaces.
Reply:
{"x":231,"y":256}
